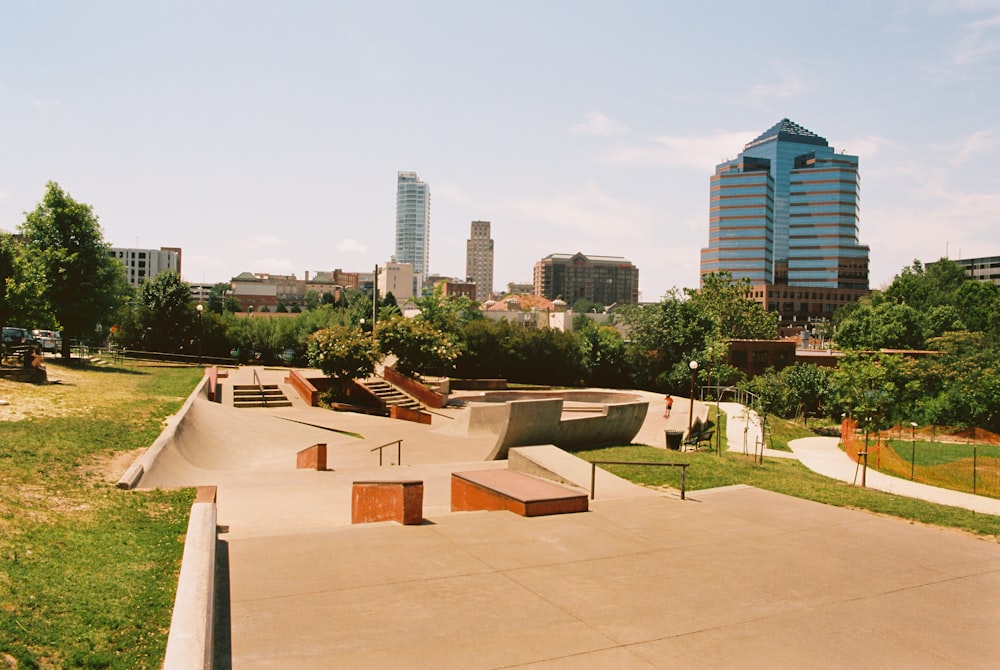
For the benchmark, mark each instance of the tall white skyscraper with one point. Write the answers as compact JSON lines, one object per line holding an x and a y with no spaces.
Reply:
{"x":479,"y":259}
{"x":413,"y":224}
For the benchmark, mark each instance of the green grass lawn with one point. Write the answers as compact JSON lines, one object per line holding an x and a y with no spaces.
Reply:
{"x":941,"y":453}
{"x":782,"y":475}
{"x":87,"y":572}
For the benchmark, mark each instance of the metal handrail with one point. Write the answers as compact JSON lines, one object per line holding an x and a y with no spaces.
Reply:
{"x":594,"y":464}
{"x":399,"y":451}
{"x":260,"y":387}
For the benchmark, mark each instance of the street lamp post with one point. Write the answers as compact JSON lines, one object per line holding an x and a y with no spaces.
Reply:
{"x":200,"y":308}
{"x":694,"y":368}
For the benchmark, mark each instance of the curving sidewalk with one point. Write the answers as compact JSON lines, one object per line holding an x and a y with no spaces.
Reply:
{"x":824,"y":456}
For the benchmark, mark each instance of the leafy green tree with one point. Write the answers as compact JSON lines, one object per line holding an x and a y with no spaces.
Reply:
{"x":166,"y":314}
{"x":727,"y":304}
{"x":885,"y":325}
{"x":961,"y":383}
{"x":22,"y":283}
{"x":978,"y":303}
{"x":602,"y":352}
{"x":806,"y":387}
{"x":447,"y":313}
{"x":84,"y":284}
{"x":6,"y":274}
{"x":312,"y":299}
{"x":419,"y":347}
{"x":344,"y":353}
{"x":662,"y":339}
{"x":875,"y":389}
{"x":942,"y":319}
{"x":922,"y":287}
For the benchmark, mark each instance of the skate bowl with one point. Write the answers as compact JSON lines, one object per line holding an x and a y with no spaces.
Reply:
{"x":571,"y":420}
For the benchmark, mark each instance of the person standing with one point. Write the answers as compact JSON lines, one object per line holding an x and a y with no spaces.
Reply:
{"x":670,"y":404}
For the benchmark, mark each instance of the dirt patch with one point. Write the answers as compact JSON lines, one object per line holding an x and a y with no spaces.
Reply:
{"x":111,"y":468}
{"x":60,"y":396}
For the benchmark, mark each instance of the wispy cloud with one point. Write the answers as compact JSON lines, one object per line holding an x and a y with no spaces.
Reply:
{"x":349,"y":246}
{"x":685,"y":151}
{"x":262,"y":242}
{"x":595,"y":123}
{"x":784,"y":87}
{"x":979,"y":43}
{"x":589,"y":213}
{"x":979,"y":142}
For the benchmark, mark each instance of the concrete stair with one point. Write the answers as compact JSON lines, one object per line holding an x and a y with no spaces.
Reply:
{"x":267,"y":395}
{"x":389,"y":394}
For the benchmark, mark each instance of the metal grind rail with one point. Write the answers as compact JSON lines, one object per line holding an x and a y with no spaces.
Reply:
{"x":260,"y":388}
{"x":399,"y":451}
{"x":594,"y":464}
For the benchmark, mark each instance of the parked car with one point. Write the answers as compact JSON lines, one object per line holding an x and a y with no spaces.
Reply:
{"x":15,"y":341}
{"x":50,"y":340}
{"x":14,"y":336}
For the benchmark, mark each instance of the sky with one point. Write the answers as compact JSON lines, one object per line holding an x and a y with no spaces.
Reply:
{"x":266,"y":136}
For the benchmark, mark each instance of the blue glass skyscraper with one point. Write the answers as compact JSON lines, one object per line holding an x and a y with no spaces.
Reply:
{"x":784,"y":214}
{"x":413,"y":223}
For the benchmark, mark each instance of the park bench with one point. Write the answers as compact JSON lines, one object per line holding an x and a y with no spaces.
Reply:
{"x":698,"y":438}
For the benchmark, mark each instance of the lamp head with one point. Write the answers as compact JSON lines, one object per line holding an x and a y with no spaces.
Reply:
{"x":693,"y":365}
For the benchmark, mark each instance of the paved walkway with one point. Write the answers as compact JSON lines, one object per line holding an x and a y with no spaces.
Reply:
{"x":824,"y":456}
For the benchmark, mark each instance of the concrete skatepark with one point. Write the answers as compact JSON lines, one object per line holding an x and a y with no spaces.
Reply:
{"x":730,"y":577}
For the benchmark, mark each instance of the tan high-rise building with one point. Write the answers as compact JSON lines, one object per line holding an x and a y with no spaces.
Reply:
{"x":479,"y":259}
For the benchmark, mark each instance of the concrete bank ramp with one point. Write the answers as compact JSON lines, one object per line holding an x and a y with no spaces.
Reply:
{"x":211,"y":438}
{"x":551,"y":462}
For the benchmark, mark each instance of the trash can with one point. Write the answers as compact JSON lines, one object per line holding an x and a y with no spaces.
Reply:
{"x":674,"y":439}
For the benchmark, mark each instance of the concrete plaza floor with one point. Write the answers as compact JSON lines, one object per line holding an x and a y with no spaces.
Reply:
{"x":733,"y":577}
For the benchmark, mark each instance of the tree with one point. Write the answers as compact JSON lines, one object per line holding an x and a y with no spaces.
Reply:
{"x":806,"y":386}
{"x":602,"y":352}
{"x":166,"y":314}
{"x":418,"y":346}
{"x":662,"y":339}
{"x":84,"y":284}
{"x":344,"y":353}
{"x":727,"y":304}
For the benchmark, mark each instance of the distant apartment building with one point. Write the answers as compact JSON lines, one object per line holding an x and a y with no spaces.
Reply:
{"x":606,"y":280}
{"x":985,"y":269}
{"x":258,"y":290}
{"x":518,"y":288}
{"x":479,"y":260}
{"x":143,"y":264}
{"x":451,"y":287}
{"x":396,"y":278}
{"x":413,"y":225}
{"x":784,"y":214}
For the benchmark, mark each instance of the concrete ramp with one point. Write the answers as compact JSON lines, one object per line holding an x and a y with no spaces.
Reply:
{"x":528,"y":422}
{"x":551,"y":462}
{"x":211,"y":438}
{"x":616,"y":425}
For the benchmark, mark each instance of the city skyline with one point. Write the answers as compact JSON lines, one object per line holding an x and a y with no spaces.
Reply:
{"x":265,"y":138}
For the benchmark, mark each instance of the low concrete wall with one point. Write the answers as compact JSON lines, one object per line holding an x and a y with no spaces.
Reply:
{"x":189,"y":644}
{"x":589,"y":396}
{"x":305,"y":388}
{"x":414,"y":388}
{"x":618,"y":425}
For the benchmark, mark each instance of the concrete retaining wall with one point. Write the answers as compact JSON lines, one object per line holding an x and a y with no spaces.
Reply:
{"x":189,"y":644}
{"x":618,"y":425}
